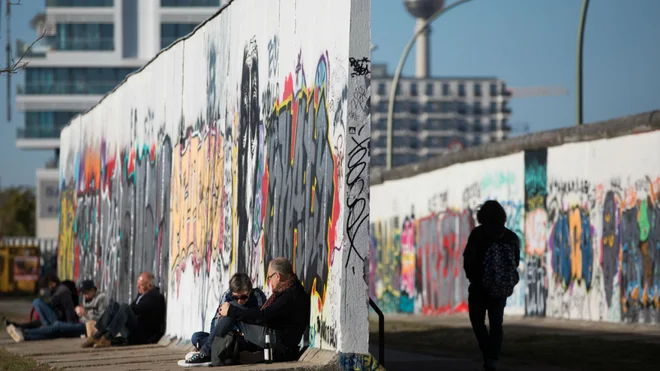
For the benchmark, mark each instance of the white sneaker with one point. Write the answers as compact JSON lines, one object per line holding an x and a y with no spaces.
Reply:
{"x":189,"y":355}
{"x":15,"y":333}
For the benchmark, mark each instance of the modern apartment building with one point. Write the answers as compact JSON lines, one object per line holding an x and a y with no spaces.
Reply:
{"x":90,"y":46}
{"x":435,"y":114}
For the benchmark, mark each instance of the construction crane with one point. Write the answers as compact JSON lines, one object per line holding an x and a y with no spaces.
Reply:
{"x":536,"y":91}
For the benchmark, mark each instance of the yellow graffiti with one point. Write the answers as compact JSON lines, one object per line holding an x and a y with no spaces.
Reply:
{"x":196,"y":199}
{"x":575,"y":228}
{"x":66,"y":253}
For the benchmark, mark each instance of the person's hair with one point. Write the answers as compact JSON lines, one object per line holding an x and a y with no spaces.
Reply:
{"x":51,"y":277}
{"x":282,"y":266}
{"x":240,"y":282}
{"x":151,"y":279}
{"x":491,"y":213}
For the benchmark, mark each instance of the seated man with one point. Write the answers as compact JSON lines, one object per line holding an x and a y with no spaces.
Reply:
{"x":59,"y":317}
{"x":93,"y":305}
{"x":141,"y":322}
{"x":284,"y":316}
{"x":240,"y":292}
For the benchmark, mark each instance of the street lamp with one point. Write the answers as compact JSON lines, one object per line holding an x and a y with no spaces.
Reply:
{"x":580,"y":47}
{"x":422,"y":26}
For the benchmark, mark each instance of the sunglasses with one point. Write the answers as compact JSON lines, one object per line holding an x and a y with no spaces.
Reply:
{"x":242,"y":297}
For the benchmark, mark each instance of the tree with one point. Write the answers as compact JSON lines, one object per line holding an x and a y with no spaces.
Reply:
{"x":17,"y":212}
{"x":15,"y":65}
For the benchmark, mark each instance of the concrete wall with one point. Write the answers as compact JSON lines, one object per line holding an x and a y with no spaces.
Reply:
{"x":246,"y":141}
{"x":584,"y":202}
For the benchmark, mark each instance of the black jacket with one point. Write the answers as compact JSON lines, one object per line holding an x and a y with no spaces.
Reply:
{"x":288,"y":315}
{"x":478,"y":243}
{"x":150,"y":313}
{"x":62,"y":304}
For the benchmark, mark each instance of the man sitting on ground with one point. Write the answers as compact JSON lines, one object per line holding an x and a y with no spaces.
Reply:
{"x":141,"y":322}
{"x":58,"y":317}
{"x":284,"y":316}
{"x":240,"y":292}
{"x":93,"y":305}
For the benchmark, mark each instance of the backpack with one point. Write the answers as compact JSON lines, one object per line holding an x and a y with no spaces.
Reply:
{"x":500,"y":270}
{"x":225,"y":350}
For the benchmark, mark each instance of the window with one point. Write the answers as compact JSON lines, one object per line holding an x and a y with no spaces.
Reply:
{"x":461,"y":125}
{"x":170,"y":32}
{"x":400,"y":107}
{"x":461,"y":108}
{"x":186,"y":3}
{"x":477,"y":108}
{"x":493,"y":107}
{"x":413,"y":89}
{"x":76,"y":3}
{"x":445,"y":89}
{"x":82,"y":36}
{"x":477,"y":128}
{"x":493,"y":125}
{"x":477,"y":90}
{"x":477,"y":140}
{"x":414,"y":108}
{"x":429,"y":89}
{"x":73,"y":80}
{"x":493,"y":90}
{"x":446,"y":124}
{"x":381,"y":89}
{"x":382,"y":107}
{"x":414,"y":125}
{"x":461,"y":90}
{"x":398,"y":89}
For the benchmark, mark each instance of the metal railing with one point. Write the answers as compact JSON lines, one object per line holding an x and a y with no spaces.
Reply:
{"x":80,"y":43}
{"x":79,"y":3}
{"x":58,"y":88}
{"x":38,"y":133}
{"x":381,"y":332}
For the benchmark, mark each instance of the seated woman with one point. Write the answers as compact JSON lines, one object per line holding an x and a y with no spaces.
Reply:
{"x":240,"y":293}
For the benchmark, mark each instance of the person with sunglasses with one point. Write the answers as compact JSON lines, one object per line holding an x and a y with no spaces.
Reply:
{"x":240,"y":293}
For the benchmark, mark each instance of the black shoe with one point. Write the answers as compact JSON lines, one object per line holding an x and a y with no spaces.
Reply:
{"x":198,"y":358}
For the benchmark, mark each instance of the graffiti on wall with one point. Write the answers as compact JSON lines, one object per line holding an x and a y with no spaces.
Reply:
{"x":591,"y":248}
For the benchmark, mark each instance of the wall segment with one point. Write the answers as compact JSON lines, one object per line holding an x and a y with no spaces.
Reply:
{"x":584,"y":202}
{"x":231,"y":147}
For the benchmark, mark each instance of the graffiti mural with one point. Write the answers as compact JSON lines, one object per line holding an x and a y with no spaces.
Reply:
{"x":235,"y":145}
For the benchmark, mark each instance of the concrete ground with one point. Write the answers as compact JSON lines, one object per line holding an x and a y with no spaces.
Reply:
{"x":66,"y":354}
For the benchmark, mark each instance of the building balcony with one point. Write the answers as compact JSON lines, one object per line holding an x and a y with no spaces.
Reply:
{"x":38,"y":138}
{"x":51,"y":102}
{"x":86,"y":44}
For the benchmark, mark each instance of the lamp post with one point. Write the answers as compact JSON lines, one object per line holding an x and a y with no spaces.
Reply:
{"x":422,"y":27}
{"x":580,"y":47}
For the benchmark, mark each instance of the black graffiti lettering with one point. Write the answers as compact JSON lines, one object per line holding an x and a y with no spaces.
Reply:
{"x":356,"y":202}
{"x":360,"y":66}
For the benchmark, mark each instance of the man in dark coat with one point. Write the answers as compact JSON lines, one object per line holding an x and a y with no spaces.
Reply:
{"x":141,"y":322}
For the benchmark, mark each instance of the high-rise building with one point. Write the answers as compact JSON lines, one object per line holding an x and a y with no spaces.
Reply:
{"x":89,"y":47}
{"x":435,"y":114}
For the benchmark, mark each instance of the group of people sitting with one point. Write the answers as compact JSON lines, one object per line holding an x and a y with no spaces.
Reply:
{"x":244,"y":324}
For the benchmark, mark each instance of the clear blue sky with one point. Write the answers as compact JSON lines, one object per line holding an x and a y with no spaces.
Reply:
{"x":524,"y":42}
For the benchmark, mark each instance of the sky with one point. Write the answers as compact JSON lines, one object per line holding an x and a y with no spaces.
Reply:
{"x":527,"y":43}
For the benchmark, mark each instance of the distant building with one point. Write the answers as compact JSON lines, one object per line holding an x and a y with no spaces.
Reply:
{"x":90,"y":46}
{"x":432,"y":115}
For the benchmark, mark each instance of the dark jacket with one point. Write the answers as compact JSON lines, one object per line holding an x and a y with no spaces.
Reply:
{"x":478,"y":243}
{"x":288,"y":315}
{"x":62,"y":304}
{"x":149,"y":309}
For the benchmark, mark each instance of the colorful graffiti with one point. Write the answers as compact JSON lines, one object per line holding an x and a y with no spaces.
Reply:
{"x":359,"y":362}
{"x":591,"y":248}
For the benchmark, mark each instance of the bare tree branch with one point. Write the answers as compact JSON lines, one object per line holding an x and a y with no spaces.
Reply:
{"x":18,"y":65}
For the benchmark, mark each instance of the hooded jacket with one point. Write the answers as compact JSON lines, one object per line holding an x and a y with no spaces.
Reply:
{"x":62,"y":304}
{"x":480,"y":240}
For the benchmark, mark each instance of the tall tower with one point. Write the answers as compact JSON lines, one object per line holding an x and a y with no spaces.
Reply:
{"x":423,"y":10}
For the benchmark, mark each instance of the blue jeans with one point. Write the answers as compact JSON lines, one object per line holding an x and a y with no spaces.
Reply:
{"x":47,"y":315}
{"x":54,"y":331}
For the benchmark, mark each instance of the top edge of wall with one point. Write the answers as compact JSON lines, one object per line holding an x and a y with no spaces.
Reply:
{"x":176,"y":42}
{"x":618,"y":127}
